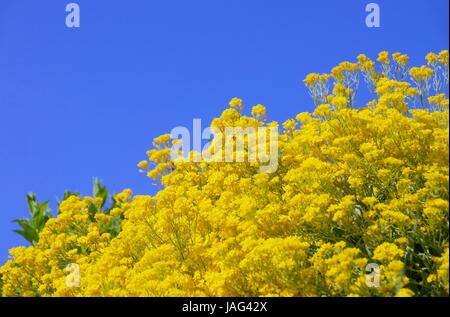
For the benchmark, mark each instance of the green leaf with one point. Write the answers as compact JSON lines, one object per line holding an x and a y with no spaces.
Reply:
{"x":100,"y":191}
{"x":40,"y":213}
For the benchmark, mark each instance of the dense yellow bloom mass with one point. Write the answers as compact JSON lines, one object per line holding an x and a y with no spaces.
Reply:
{"x":354,"y":186}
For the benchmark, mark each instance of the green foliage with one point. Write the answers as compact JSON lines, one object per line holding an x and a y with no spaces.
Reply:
{"x":66,"y":195}
{"x":40,"y":213}
{"x":100,"y":191}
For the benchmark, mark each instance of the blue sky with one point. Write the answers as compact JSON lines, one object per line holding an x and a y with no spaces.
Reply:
{"x":82,"y":103}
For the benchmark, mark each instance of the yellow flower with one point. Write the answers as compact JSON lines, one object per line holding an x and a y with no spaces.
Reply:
{"x":322,"y":110}
{"x":311,"y":79}
{"x":236,"y":103}
{"x":383,"y":57}
{"x":289,"y":124}
{"x":387,"y":252}
{"x":354,"y":185}
{"x":259,"y":111}
{"x":405,"y":292}
{"x":143,"y":164}
{"x":340,"y":101}
{"x":303,"y":117}
{"x":162,"y":139}
{"x":432,"y":58}
{"x":401,"y":59}
{"x":443,"y":57}
{"x":420,"y":73}
{"x":439,"y":101}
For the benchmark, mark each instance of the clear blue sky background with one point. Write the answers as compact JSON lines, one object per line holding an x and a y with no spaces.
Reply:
{"x":80,"y":103}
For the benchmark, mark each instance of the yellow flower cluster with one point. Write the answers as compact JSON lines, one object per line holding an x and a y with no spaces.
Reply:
{"x":318,"y":86}
{"x":401,"y":59}
{"x":77,"y":235}
{"x":383,"y":57}
{"x":421,"y":73}
{"x":259,"y":112}
{"x":354,"y":186}
{"x":441,"y":58}
{"x":439,"y":101}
